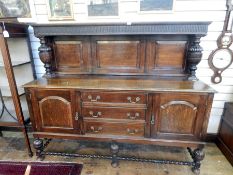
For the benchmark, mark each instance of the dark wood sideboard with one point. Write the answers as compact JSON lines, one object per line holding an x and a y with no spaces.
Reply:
{"x":225,"y":135}
{"x":121,"y":83}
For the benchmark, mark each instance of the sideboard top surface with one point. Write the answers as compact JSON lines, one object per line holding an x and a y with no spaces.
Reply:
{"x":121,"y":83}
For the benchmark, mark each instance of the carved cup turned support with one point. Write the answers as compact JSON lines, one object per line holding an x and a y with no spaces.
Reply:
{"x":45,"y":53}
{"x":39,"y":146}
{"x":114,"y":150}
{"x":193,"y":57}
{"x":197,"y":155}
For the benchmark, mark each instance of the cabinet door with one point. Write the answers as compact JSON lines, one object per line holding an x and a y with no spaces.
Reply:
{"x":178,"y":116}
{"x":55,"y":111}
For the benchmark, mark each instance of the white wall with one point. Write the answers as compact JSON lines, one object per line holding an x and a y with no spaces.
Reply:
{"x":184,"y":10}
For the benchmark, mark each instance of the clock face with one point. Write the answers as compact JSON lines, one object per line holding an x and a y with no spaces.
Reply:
{"x":222,"y":58}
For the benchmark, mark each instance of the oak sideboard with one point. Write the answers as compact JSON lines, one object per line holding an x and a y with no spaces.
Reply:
{"x":121,"y":84}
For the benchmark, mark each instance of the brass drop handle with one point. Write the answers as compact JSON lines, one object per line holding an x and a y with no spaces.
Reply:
{"x":131,"y":101}
{"x":93,"y":100}
{"x":98,"y":114}
{"x":137,"y":115}
{"x":76,"y":116}
{"x":132,"y":131}
{"x":96,"y":130}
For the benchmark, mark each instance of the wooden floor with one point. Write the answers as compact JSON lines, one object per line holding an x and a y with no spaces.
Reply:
{"x":12,"y":148}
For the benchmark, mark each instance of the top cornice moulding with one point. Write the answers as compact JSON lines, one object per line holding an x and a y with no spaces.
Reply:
{"x":69,"y":29}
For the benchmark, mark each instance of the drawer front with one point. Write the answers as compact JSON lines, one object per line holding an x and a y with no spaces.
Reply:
{"x":112,"y":128}
{"x":113,"y":113}
{"x":114,"y":97}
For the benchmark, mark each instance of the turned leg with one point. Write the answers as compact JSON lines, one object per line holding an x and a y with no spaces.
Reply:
{"x":197,"y":156}
{"x":114,"y":150}
{"x":38,"y":145}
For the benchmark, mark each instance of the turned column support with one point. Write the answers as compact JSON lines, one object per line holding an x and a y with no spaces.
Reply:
{"x":114,"y":150}
{"x":39,"y":146}
{"x":197,"y":155}
{"x":45,"y":53}
{"x":194,"y":56}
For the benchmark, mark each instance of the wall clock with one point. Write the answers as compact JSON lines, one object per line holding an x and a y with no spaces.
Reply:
{"x":222,"y":57}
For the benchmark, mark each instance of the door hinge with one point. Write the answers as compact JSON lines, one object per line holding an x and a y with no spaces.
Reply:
{"x":152,"y":122}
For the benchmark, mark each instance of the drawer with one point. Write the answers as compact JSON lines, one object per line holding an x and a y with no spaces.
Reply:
{"x":114,"y":128}
{"x":113,"y":113}
{"x":114,"y":97}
